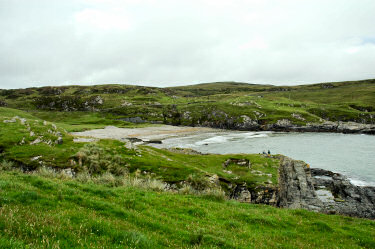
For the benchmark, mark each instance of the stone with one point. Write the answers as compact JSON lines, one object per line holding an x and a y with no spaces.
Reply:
{"x":214,"y":179}
{"x":323,"y":191}
{"x":125,"y":103}
{"x":23,"y":141}
{"x":36,"y":141}
{"x":23,"y":121}
{"x":35,"y":158}
{"x":283,"y":123}
{"x":9,"y":121}
{"x":32,"y":134}
{"x":68,"y":172}
{"x":298,"y":116}
{"x":59,"y":140}
{"x":239,"y":162}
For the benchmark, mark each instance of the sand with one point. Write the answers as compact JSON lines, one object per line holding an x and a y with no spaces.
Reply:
{"x":146,"y":133}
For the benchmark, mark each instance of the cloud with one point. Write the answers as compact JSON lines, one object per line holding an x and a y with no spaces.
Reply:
{"x":98,"y":19}
{"x":167,"y":42}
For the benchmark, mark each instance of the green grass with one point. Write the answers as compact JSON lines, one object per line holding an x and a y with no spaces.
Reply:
{"x":111,"y":155}
{"x":221,"y":104}
{"x":39,"y":212}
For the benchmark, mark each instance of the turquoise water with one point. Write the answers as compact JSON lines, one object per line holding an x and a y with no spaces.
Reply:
{"x":349,"y":154}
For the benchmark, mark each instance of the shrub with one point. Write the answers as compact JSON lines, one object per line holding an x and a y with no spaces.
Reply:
{"x":6,"y":165}
{"x":199,"y":183}
{"x":97,"y":161}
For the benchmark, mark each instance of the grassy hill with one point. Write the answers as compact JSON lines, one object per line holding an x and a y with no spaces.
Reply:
{"x":30,"y":143}
{"x":221,"y":104}
{"x":56,"y":212}
{"x":58,"y":193}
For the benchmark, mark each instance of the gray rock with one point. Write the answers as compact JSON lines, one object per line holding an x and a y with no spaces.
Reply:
{"x":59,"y":140}
{"x":36,"y":141}
{"x":240,"y":162}
{"x":296,"y":188}
{"x":9,"y":121}
{"x":323,"y":191}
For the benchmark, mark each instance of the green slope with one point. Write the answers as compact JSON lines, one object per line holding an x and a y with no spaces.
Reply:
{"x":40,"y":212}
{"x":207,"y":104}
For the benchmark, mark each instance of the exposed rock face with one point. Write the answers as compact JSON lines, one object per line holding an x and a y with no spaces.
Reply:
{"x":346,"y":198}
{"x":259,"y":195}
{"x":322,"y":191}
{"x":327,"y":126}
{"x":296,"y":188}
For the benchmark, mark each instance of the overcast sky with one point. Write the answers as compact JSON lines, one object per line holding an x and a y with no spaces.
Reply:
{"x":178,"y":42}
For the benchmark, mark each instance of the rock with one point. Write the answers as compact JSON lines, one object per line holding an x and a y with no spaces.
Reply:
{"x":9,"y":121}
{"x":340,"y":196}
{"x":214,"y":179}
{"x":23,"y":121}
{"x":35,"y":158}
{"x":247,"y":123}
{"x":283,"y":123}
{"x":32,"y":134}
{"x":323,"y":191}
{"x":154,"y":141}
{"x":298,"y":116}
{"x":125,"y":103}
{"x":239,"y":162}
{"x":242,"y":194}
{"x":98,"y":100}
{"x":23,"y":141}
{"x":296,"y":189}
{"x":68,"y":172}
{"x":54,"y":126}
{"x":59,"y":140}
{"x":45,"y":122}
{"x":36,"y":141}
{"x":3,"y":103}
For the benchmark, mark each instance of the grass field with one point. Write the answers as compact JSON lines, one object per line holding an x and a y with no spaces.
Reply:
{"x":44,"y":212}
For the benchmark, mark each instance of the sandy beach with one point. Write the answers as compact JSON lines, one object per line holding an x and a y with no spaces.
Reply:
{"x":145,"y":133}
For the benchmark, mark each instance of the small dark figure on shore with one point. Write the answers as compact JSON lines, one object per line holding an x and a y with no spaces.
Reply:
{"x":269,"y":152}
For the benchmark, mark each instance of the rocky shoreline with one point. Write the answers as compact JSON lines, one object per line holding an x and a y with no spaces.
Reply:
{"x":285,"y":125}
{"x":301,"y":187}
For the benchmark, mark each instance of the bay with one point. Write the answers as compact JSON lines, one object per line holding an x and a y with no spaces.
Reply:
{"x":350,"y":154}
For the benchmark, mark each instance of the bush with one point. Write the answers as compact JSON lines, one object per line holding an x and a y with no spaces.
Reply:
{"x":6,"y":165}
{"x":198,"y":183}
{"x":97,"y":161}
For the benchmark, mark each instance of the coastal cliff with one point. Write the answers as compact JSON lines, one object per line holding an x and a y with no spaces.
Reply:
{"x":318,"y":190}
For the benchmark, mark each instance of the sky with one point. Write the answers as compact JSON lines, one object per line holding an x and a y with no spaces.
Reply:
{"x":179,"y":42}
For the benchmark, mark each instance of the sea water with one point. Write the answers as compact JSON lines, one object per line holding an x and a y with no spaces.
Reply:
{"x":352,"y":155}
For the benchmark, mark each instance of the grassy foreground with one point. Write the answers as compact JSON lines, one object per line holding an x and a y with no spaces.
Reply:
{"x":42,"y":212}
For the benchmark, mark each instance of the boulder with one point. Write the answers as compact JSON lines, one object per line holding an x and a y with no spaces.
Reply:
{"x":59,"y":140}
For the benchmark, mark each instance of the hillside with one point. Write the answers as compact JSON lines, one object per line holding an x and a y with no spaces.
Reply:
{"x":53,"y":211}
{"x":227,"y":105}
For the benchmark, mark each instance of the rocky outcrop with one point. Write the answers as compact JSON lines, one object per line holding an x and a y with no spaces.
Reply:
{"x":327,"y":126}
{"x":340,"y":196}
{"x":296,"y":188}
{"x":322,"y":191}
{"x":259,"y":195}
